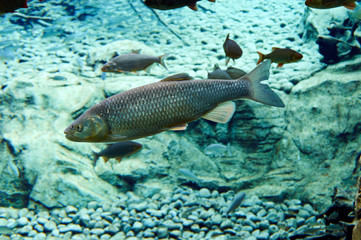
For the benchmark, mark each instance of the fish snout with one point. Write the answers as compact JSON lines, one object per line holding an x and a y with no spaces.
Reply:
{"x":69,"y":129}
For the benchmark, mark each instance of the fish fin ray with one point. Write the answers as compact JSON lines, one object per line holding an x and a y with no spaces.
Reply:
{"x":350,"y":6}
{"x":177,"y":77}
{"x":137,"y":51}
{"x":261,"y":57}
{"x":222,"y":113}
{"x":180,"y":127}
{"x":161,"y":60}
{"x":262,"y":92}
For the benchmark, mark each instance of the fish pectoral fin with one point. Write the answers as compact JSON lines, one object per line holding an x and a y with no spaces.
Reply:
{"x":350,"y":6}
{"x":177,"y":77}
{"x":180,"y":127}
{"x":136,"y":51}
{"x":194,"y":7}
{"x":222,"y":113}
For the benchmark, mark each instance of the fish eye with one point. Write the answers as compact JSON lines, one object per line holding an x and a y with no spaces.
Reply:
{"x":79,"y":128}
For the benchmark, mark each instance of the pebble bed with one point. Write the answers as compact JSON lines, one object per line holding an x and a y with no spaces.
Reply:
{"x":187,"y":214}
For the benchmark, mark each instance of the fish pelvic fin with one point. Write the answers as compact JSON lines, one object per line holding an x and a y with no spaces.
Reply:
{"x":222,"y":113}
{"x":262,"y":92}
{"x":95,"y":157}
{"x":227,"y":60}
{"x":261,"y":57}
{"x":161,"y":60}
{"x":350,"y":6}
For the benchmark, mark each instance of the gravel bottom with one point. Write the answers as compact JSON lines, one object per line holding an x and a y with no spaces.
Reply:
{"x":185,"y":214}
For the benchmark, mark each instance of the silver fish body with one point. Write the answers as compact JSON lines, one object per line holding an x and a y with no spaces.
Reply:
{"x":168,"y":104}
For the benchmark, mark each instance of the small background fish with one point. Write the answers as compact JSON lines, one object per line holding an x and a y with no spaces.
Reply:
{"x":232,"y":49}
{"x":281,"y":56}
{"x":118,"y":151}
{"x":173,"y":4}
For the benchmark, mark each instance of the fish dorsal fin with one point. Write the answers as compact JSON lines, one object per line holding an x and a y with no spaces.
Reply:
{"x":216,"y":67}
{"x":222,"y":113}
{"x":194,"y":6}
{"x":227,"y":37}
{"x":177,"y":77}
{"x":350,"y":6}
{"x":136,"y":51}
{"x":275,"y":48}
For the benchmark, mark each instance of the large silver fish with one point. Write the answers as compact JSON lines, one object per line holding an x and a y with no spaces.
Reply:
{"x":169,"y":105}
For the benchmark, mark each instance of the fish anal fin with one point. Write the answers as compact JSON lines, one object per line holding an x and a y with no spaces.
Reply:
{"x":180,"y":127}
{"x":119,"y":159}
{"x":350,"y":6}
{"x":136,"y":51}
{"x":280,"y":65}
{"x":194,"y":7}
{"x":222,"y":113}
{"x":227,"y":60}
{"x":106,"y":159}
{"x":177,"y":77}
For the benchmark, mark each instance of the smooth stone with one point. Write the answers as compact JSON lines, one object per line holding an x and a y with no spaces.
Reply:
{"x":249,"y":223}
{"x":291,"y":223}
{"x":75,"y":228}
{"x":268,"y":205}
{"x":171,"y":225}
{"x":105,"y":237}
{"x":12,"y":223}
{"x":148,"y":223}
{"x":304,"y":214}
{"x":39,"y":228}
{"x":300,"y":221}
{"x":294,"y":208}
{"x":32,"y":233}
{"x":162,"y":232}
{"x":204,"y":215}
{"x":71,"y":209}
{"x":25,"y":230}
{"x":187,"y":235}
{"x":97,"y":231}
{"x":308,"y":208}
{"x":261,"y":213}
{"x":23,"y":212}
{"x":272,"y":217}
{"x":55,"y":233}
{"x":247,"y":228}
{"x":148,"y":233}
{"x":137,"y":227}
{"x":79,"y":237}
{"x":111,"y":229}
{"x":264,"y":235}
{"x":226,"y":224}
{"x":63,"y":228}
{"x":3,"y":222}
{"x":119,"y":235}
{"x":264,"y":224}
{"x":215,"y":194}
{"x":250,"y":238}
{"x":252,"y":217}
{"x":195,"y":228}
{"x":21,"y":222}
{"x":175,"y":233}
{"x":66,"y":220}
{"x":273,"y":228}
{"x":256,"y":232}
{"x":205,"y":193}
{"x":40,"y":236}
{"x":178,"y":204}
{"x":93,"y":205}
{"x":216,"y":219}
{"x":310,"y":220}
{"x":275,"y":236}
{"x":99,"y":224}
{"x":42,"y":220}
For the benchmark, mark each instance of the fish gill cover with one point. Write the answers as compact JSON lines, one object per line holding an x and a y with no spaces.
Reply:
{"x":51,"y":56}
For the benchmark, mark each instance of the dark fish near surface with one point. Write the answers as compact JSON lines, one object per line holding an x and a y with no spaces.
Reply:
{"x":237,"y":200}
{"x":218,"y":73}
{"x":133,"y":62}
{"x":281,"y":56}
{"x":7,"y":6}
{"x":232,"y":49}
{"x":326,"y":4}
{"x":235,"y":73}
{"x":118,"y":151}
{"x":172,"y":4}
{"x":169,"y":105}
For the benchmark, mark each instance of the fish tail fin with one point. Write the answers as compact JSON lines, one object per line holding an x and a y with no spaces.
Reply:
{"x":25,"y":5}
{"x":261,"y":92}
{"x":95,"y":157}
{"x":261,"y":57}
{"x":161,"y":60}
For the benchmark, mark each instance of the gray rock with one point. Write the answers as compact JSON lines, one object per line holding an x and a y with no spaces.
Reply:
{"x":247,"y":228}
{"x":12,"y":223}
{"x":119,"y":235}
{"x":93,"y":205}
{"x":71,"y":209}
{"x":25,"y":230}
{"x":291,"y":223}
{"x":205,"y":193}
{"x":23,"y":212}
{"x":22,"y":221}
{"x":148,"y":233}
{"x":32,"y":233}
{"x":111,"y":229}
{"x":105,"y":237}
{"x":97,"y":231}
{"x":40,"y":236}
{"x":171,"y":225}
{"x":75,"y":228}
{"x":311,"y":220}
{"x":264,"y":235}
{"x":175,"y":233}
{"x":256,"y":233}
{"x":148,"y":223}
{"x":39,"y":228}
{"x":273,"y":228}
{"x":226,"y":224}
{"x":264,"y":224}
{"x":137,"y":227}
{"x":79,"y":237}
{"x":66,"y":220}
{"x":3,"y":222}
{"x":195,"y":228}
{"x":42,"y":220}
{"x":162,"y":232}
{"x":187,"y":223}
{"x":215,"y":194}
{"x":304,"y":214}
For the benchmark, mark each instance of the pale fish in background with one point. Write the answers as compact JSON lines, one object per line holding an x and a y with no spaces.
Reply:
{"x":13,"y":168}
{"x":169,"y":105}
{"x":190,"y":176}
{"x":118,"y":151}
{"x":237,"y":200}
{"x":216,"y":150}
